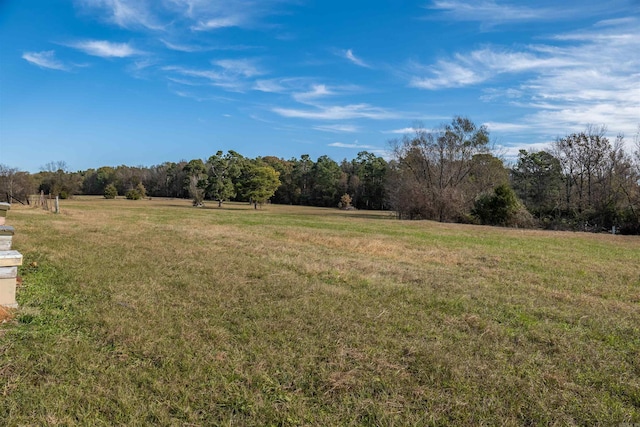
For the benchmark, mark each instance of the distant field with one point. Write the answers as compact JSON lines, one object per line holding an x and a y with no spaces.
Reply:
{"x":155,"y":312}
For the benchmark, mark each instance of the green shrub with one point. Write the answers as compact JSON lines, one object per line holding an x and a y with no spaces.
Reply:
{"x":136,"y":193}
{"x":110,"y":192}
{"x":499,"y":208}
{"x":141,"y":190}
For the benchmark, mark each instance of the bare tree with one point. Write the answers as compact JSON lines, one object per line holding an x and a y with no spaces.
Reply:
{"x":600,"y":180}
{"x":432,"y":168}
{"x":15,"y":185}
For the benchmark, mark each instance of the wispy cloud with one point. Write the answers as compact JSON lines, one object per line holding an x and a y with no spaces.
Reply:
{"x":171,"y":15}
{"x":511,"y":150}
{"x":353,"y":145}
{"x":351,"y":57}
{"x":586,"y":76}
{"x":212,"y":15}
{"x":338,"y":112}
{"x":402,"y":131}
{"x":45,"y":59}
{"x":338,"y":128}
{"x":489,"y":12}
{"x":125,"y":13}
{"x":231,"y":74}
{"x":199,"y":96}
{"x":243,"y":67}
{"x":506,"y":127}
{"x":317,"y":91}
{"x":204,"y":74}
{"x":106,"y":49}
{"x":182,"y":47}
{"x":484,"y":64}
{"x":217,"y":23}
{"x":446,"y":74}
{"x":269,"y":86}
{"x":194,"y":47}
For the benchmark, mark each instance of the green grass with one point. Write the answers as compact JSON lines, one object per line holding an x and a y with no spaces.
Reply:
{"x":154,"y":312}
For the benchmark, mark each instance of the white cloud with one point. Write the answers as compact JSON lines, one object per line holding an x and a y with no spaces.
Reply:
{"x":182,"y":47}
{"x":125,"y":13}
{"x":45,"y":59}
{"x":243,"y":67}
{"x":506,"y":127}
{"x":447,"y":74}
{"x":211,"y":15}
{"x":353,"y":111}
{"x":402,"y":131}
{"x":282,"y":85}
{"x":484,"y":64}
{"x":351,"y":57}
{"x":338,"y":128}
{"x":511,"y":151}
{"x":171,"y":15}
{"x":269,"y":86}
{"x":198,"y":95}
{"x":489,"y":12}
{"x":205,"y":74}
{"x":317,"y":91}
{"x":233,"y":75}
{"x":354,"y":145}
{"x":591,"y":76}
{"x":106,"y":49}
{"x":217,"y":23}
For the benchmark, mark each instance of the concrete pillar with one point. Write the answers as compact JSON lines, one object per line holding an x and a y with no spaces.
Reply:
{"x":4,"y":207}
{"x":9,"y":261}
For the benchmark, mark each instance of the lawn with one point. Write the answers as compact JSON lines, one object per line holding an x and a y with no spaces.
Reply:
{"x":153,"y":312}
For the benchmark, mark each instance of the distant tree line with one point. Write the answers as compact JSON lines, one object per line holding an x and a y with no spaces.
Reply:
{"x":582,"y":181}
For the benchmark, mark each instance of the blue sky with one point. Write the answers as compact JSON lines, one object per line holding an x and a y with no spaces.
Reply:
{"x":141,"y":82}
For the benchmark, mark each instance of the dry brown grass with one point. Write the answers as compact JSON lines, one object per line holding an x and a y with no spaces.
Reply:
{"x":6,"y":314}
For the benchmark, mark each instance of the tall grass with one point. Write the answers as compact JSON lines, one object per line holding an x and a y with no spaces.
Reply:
{"x":155,"y":312}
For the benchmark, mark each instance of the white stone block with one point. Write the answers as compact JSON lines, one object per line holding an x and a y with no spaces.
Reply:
{"x":8,"y":292}
{"x":10,"y":258}
{"x":8,"y":272}
{"x":5,"y":243}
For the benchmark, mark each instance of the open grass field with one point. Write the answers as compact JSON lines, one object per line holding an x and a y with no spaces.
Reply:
{"x":157,"y":313}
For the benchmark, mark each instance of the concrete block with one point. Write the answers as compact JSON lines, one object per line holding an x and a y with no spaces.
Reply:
{"x":8,"y":292}
{"x":4,"y":207}
{"x":8,"y":272}
{"x":10,"y":258}
{"x":5,"y":243}
{"x":7,"y":230}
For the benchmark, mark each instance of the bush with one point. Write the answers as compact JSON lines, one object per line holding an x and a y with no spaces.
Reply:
{"x":345,"y":202}
{"x":132,"y":195}
{"x":110,"y":192}
{"x":136,"y":193}
{"x":141,"y":190}
{"x":499,"y":208}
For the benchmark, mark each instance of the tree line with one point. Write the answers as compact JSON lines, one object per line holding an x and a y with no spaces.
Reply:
{"x":222,"y":177}
{"x":582,"y":181}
